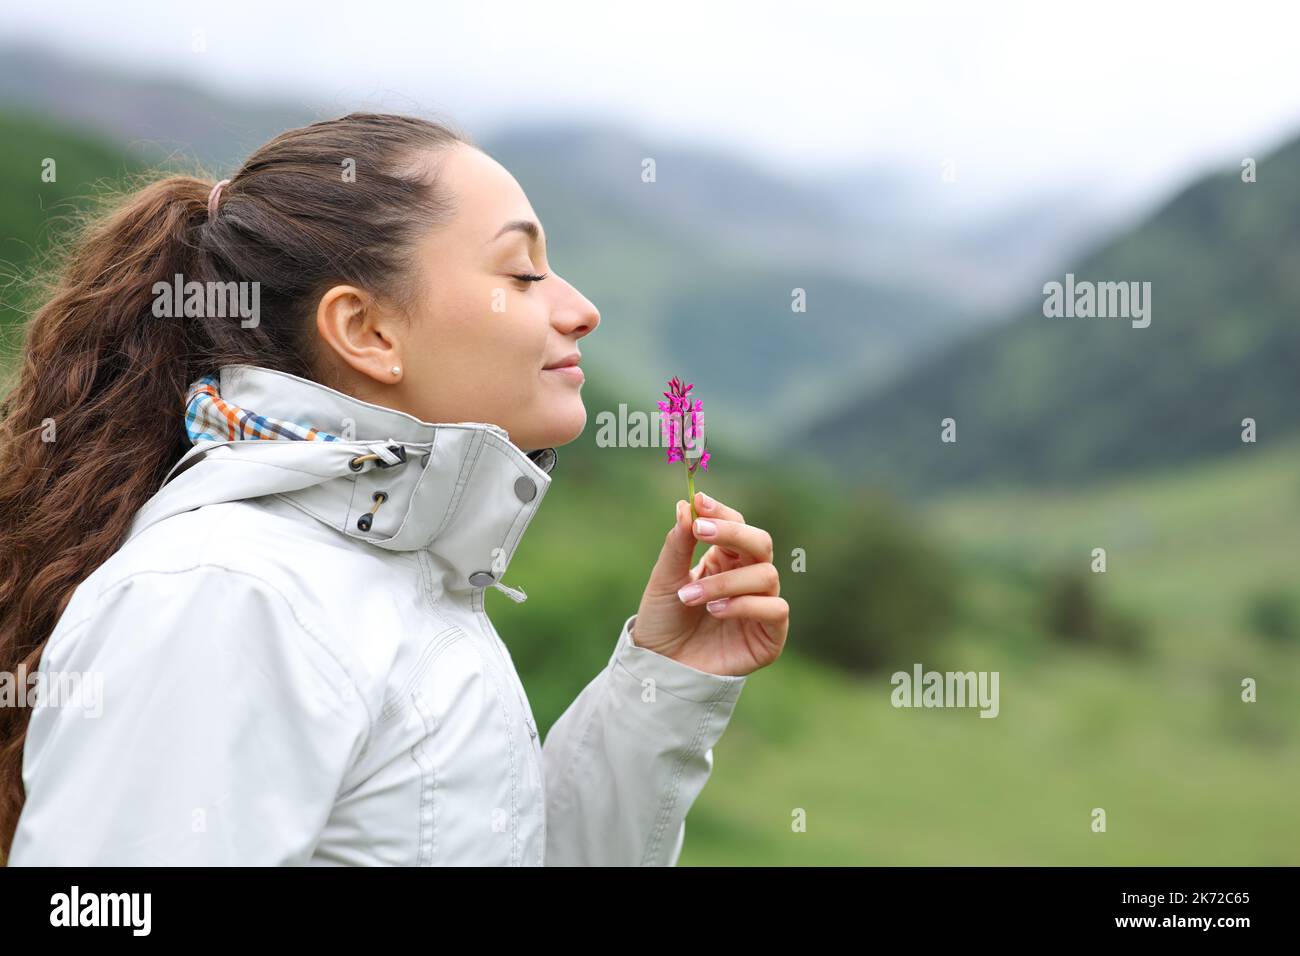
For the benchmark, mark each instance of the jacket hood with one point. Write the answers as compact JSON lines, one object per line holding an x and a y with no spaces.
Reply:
{"x":461,"y":491}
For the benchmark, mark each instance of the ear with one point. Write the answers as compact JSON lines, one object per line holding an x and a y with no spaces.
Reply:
{"x":361,"y":333}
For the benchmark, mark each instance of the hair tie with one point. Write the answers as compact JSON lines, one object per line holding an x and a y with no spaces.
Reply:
{"x":213,"y":197}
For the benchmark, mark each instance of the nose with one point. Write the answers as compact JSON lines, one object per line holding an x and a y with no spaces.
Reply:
{"x":575,"y":314}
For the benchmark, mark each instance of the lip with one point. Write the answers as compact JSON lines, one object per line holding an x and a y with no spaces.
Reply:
{"x":568,"y":371}
{"x":569,"y":360}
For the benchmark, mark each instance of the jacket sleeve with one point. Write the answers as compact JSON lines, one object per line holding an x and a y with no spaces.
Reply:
{"x":223,"y":731}
{"x":626,"y":760}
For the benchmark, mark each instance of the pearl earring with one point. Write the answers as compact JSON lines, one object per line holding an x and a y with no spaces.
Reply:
{"x":397,"y":370}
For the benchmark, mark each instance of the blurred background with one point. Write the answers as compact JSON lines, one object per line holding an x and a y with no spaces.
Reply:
{"x":919,"y":174}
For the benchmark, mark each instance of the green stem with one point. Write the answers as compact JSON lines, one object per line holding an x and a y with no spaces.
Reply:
{"x":690,"y":483}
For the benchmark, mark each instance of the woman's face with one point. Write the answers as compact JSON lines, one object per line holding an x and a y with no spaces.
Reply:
{"x":479,"y":341}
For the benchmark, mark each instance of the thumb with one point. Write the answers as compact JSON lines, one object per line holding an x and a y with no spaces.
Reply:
{"x":674,"y":564}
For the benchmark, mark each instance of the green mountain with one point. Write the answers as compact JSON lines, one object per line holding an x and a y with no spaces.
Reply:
{"x":1065,"y":400}
{"x":47,"y":172}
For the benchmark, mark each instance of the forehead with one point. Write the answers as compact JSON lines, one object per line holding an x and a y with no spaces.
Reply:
{"x":486,"y":195}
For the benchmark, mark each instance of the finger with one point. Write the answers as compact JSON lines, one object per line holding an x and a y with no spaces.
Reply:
{"x":681,"y":541}
{"x":674,"y":562}
{"x":714,"y":508}
{"x":751,"y":579}
{"x":735,"y":535}
{"x":705,"y":505}
{"x":772,"y":611}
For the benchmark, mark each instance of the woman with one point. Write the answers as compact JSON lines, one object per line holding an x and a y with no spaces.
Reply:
{"x":242,"y":525}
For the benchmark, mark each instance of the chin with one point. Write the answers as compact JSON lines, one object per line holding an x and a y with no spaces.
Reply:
{"x":570,"y":427}
{"x":562,"y":425}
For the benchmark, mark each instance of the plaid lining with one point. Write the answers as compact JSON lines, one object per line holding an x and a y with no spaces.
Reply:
{"x":208,"y":417}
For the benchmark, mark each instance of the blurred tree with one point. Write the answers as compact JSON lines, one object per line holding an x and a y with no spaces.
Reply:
{"x":876,"y":595}
{"x":1274,"y":614}
{"x":1071,"y":612}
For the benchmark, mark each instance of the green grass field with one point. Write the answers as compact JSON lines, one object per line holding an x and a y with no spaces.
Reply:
{"x":1186,"y":772}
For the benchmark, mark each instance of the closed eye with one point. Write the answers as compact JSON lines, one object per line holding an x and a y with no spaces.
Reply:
{"x":529,"y":277}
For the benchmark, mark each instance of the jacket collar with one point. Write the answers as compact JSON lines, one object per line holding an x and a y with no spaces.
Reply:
{"x":463,"y":492}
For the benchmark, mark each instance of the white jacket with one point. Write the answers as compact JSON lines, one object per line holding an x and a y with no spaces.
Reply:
{"x":281,"y":687}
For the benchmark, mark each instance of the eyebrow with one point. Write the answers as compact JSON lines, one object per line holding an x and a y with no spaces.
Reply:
{"x":526,"y":226}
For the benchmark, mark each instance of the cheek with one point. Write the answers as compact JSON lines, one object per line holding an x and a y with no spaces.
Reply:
{"x":489,"y":331}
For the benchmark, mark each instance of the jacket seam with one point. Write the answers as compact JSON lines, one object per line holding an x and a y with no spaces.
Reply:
{"x":411,"y":500}
{"x":352,"y":505}
{"x":428,"y":842}
{"x":422,"y":559}
{"x":718,"y":692}
{"x":533,"y":746}
{"x":565,"y":784}
{"x":267,"y":464}
{"x":437,"y":645}
{"x":510,"y":746}
{"x":670,"y":800}
{"x":458,"y":494}
{"x":287,"y":498}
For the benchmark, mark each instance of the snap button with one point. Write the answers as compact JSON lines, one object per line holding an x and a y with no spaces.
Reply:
{"x":482,"y":579}
{"x":525,"y":490}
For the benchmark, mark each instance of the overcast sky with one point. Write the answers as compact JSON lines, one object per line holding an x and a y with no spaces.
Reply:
{"x":1023,"y":97}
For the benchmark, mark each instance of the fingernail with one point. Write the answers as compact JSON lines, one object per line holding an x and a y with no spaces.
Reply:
{"x":706,"y":501}
{"x":691,"y":592}
{"x":716,"y":606}
{"x":705,"y":528}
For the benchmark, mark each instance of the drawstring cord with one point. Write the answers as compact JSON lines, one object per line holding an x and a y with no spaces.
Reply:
{"x":516,"y":595}
{"x":385,"y":456}
{"x":368,"y":519}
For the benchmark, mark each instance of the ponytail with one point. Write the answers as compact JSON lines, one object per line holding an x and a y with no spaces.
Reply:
{"x":84,"y":441}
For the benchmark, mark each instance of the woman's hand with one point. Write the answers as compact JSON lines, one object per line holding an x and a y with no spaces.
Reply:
{"x":748,"y":630}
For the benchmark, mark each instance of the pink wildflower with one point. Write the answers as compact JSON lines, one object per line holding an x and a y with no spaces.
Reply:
{"x":686,"y":442}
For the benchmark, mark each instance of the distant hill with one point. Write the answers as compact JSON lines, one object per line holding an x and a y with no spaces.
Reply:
{"x":694,"y":275}
{"x":1065,"y":400}
{"x":150,"y":117}
{"x":32,"y":208}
